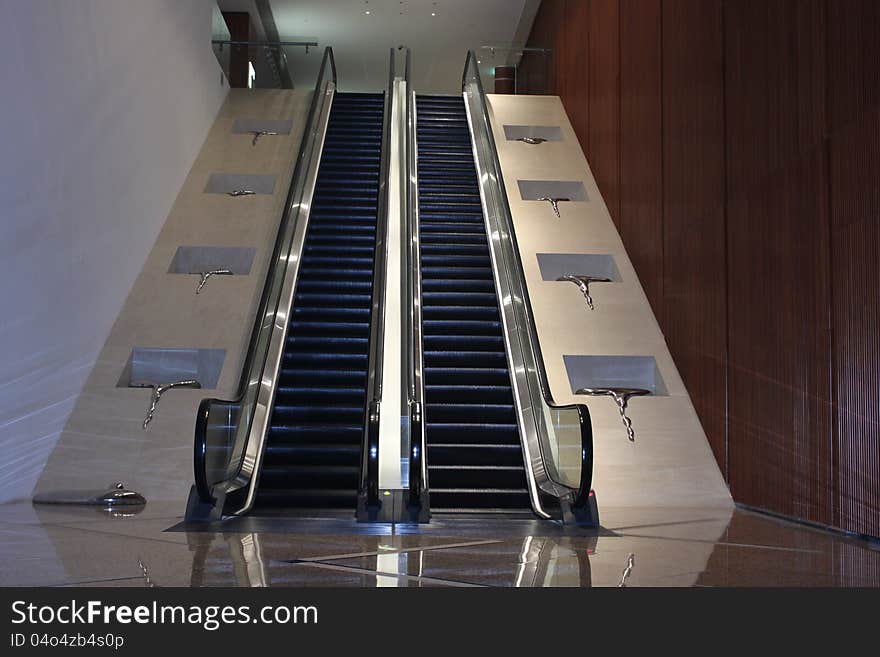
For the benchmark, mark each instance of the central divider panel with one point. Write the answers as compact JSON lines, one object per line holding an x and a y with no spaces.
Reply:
{"x":312,"y":458}
{"x":475,"y":459}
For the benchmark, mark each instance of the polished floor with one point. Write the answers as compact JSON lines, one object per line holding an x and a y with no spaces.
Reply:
{"x":71,"y":546}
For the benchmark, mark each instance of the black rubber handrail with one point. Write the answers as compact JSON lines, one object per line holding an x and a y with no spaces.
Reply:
{"x":202,"y":485}
{"x":581,"y":497}
{"x":200,"y":452}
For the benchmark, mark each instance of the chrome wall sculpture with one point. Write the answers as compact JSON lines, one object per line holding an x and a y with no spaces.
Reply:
{"x":159,"y":390}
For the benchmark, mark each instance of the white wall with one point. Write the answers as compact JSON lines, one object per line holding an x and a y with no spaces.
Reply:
{"x":105,"y":106}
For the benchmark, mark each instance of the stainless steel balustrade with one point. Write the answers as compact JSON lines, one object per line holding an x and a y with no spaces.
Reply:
{"x":368,"y":497}
{"x":418,"y":467}
{"x":547,"y":431}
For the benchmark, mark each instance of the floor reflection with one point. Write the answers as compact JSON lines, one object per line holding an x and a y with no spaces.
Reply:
{"x":263,"y":559}
{"x":635,"y":547}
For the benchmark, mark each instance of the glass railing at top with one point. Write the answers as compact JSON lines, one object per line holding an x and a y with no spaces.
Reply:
{"x":528,"y":64}
{"x":229,"y":433}
{"x":557,"y":439}
{"x":219,"y":33}
{"x":264,"y":65}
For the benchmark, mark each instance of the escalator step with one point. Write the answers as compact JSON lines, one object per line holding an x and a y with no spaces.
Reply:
{"x":327,"y":442}
{"x":439,"y":394}
{"x":463,"y":412}
{"x":309,"y":477}
{"x":473,"y":433}
{"x":306,"y":498}
{"x":310,"y":374}
{"x":478,"y":476}
{"x":486,"y":454}
{"x":492,"y":359}
{"x":464,"y":499}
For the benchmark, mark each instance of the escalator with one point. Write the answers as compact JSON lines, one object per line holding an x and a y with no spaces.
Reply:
{"x":303,"y":432}
{"x":474,"y":451}
{"x":313,"y":453}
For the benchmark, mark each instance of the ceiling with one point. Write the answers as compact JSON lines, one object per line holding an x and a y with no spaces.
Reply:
{"x":439,"y":33}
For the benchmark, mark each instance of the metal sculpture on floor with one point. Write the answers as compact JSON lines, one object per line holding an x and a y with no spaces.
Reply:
{"x":111,"y":498}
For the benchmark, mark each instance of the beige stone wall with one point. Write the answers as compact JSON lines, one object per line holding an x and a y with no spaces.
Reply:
{"x":671,"y":463}
{"x":97,"y":140}
{"x":103,"y":440}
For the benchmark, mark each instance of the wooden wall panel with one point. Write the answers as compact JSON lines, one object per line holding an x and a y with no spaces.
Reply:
{"x":603,"y":83}
{"x":778,"y":258}
{"x":853,"y":53}
{"x":737,"y":143}
{"x":572,"y":64}
{"x":694,"y":280}
{"x":239,"y":24}
{"x":640,"y":218}
{"x":854,"y":109}
{"x":536,"y":73}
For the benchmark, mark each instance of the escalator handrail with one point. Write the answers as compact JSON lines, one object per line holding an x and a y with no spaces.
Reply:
{"x":370,"y":452}
{"x":266,"y":315}
{"x":580,"y":495}
{"x":418,"y":472}
{"x":200,"y":452}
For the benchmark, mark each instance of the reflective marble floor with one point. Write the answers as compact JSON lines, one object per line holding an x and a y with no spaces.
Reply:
{"x":69,"y":546}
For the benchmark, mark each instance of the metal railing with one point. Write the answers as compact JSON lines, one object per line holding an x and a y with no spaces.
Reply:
{"x":230,"y":434}
{"x":418,"y":468}
{"x":368,"y":497}
{"x":547,"y":430}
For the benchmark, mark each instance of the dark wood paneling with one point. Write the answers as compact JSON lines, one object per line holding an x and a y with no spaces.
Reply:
{"x":239,"y":24}
{"x":505,"y":80}
{"x":694,"y":278}
{"x":779,"y":422}
{"x":536,"y":73}
{"x":603,"y":84}
{"x":572,"y":65}
{"x":739,"y":153}
{"x":854,"y":52}
{"x":854,"y":96}
{"x":640,"y":219}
